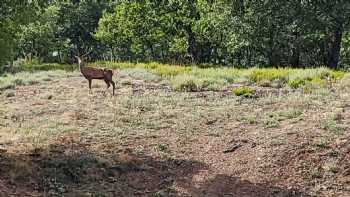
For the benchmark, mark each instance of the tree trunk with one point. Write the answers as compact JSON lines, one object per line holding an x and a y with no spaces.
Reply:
{"x":334,"y":47}
{"x":295,"y":59}
{"x":271,"y":44}
{"x":192,"y":44}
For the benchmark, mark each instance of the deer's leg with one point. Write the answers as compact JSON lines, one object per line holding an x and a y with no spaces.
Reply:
{"x":113,"y":84}
{"x":90,"y":81}
{"x":107,"y":83}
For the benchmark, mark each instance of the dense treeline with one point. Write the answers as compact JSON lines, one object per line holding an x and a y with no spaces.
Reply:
{"x":245,"y":33}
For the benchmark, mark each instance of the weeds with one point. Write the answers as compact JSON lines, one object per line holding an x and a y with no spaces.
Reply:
{"x":273,"y":119}
{"x":244,"y":92}
{"x":332,"y":126}
{"x":271,"y":122}
{"x":249,"y":119}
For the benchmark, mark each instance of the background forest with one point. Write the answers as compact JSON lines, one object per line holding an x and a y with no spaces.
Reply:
{"x":240,"y":33}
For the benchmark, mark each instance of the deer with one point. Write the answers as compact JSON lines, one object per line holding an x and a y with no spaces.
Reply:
{"x":91,"y":73}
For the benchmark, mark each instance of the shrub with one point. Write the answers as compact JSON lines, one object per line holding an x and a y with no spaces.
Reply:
{"x":243,"y":91}
{"x":271,"y":122}
{"x":212,"y":83}
{"x":185,"y":82}
{"x":296,"y":83}
{"x":317,"y":83}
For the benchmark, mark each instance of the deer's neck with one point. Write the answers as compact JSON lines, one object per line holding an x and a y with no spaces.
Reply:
{"x":81,"y":66}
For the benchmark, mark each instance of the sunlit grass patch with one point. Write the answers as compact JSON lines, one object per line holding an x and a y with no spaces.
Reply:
{"x":258,"y":75}
{"x":10,"y":81}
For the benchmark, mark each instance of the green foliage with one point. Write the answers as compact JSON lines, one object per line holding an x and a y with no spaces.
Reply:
{"x":243,"y":91}
{"x":296,"y":83}
{"x":243,"y":34}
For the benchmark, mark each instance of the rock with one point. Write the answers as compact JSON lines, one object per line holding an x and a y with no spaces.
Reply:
{"x":10,"y":94}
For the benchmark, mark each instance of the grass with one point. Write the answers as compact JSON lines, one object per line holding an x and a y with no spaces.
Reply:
{"x":10,"y":81}
{"x":150,"y":138}
{"x":216,"y":78}
{"x":193,"y":78}
{"x":333,"y":127}
{"x":243,"y":91}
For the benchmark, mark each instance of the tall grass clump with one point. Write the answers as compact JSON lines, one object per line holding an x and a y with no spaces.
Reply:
{"x":244,"y":92}
{"x":186,"y":83}
{"x":193,"y":82}
{"x":263,"y":75}
{"x":317,"y":77}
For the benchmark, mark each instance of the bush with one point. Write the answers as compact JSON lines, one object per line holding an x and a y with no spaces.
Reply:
{"x":243,"y":91}
{"x":317,"y":83}
{"x":187,"y":83}
{"x":296,"y":83}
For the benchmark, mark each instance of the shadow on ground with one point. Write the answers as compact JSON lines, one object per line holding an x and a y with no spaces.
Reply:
{"x":69,"y":168}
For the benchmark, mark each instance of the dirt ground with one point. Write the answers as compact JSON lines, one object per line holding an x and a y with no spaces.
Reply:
{"x":56,"y":139}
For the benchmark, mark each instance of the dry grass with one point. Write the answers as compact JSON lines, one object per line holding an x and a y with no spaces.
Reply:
{"x":150,"y":140}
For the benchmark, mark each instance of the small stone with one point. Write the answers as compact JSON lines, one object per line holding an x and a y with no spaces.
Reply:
{"x":10,"y":94}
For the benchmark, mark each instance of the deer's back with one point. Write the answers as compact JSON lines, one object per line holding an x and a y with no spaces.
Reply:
{"x":97,"y":73}
{"x":92,"y":73}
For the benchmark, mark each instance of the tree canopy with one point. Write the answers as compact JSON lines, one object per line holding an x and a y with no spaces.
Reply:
{"x":240,"y":33}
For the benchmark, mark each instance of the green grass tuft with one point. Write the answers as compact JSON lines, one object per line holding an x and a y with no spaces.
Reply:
{"x":243,"y":91}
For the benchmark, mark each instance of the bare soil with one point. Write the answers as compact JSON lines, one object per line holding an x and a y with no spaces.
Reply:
{"x":56,"y":139}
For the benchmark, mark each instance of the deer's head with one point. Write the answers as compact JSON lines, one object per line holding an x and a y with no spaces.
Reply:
{"x":80,"y":59}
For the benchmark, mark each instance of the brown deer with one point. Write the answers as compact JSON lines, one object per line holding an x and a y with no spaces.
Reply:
{"x":91,"y":73}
